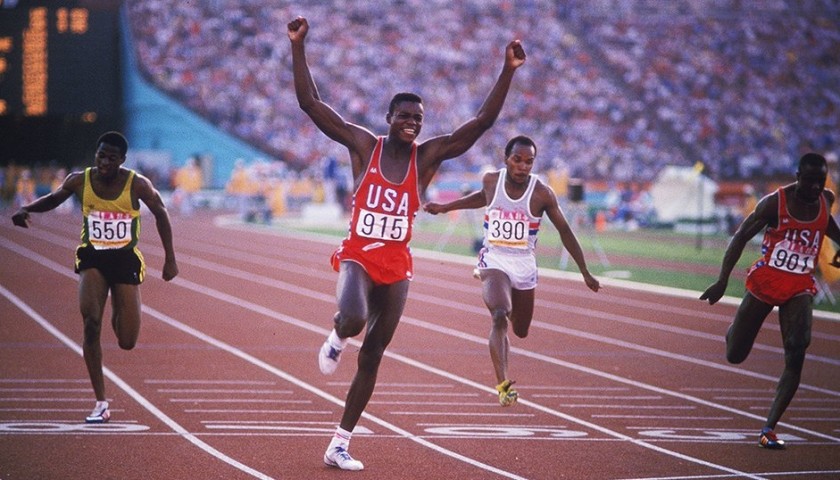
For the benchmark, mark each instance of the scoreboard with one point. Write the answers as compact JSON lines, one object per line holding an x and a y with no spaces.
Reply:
{"x":57,"y":58}
{"x":59,"y":68}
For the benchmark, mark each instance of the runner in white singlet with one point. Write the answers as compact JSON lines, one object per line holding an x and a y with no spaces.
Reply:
{"x":516,"y":201}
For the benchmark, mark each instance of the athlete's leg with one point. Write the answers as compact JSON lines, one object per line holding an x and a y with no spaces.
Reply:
{"x":386,"y":308}
{"x":125,"y":316}
{"x":352,"y":291}
{"x":741,"y":334}
{"x":496,"y":291}
{"x":795,"y":319}
{"x":522,"y":312}
{"x":93,"y":293}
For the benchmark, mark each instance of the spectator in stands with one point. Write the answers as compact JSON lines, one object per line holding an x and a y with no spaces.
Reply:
{"x":240,"y":188}
{"x":643,"y":85}
{"x":24,"y":188}
{"x":188,"y":182}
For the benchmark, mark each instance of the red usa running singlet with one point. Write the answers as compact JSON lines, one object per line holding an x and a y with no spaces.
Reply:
{"x":790,"y":252}
{"x":382,"y":218}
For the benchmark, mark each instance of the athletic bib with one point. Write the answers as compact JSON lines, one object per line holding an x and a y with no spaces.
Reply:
{"x":381,"y":226}
{"x":507,"y":230}
{"x":793,"y":258}
{"x":109,"y":230}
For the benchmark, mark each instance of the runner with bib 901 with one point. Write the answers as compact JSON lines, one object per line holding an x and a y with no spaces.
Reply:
{"x":796,"y":219}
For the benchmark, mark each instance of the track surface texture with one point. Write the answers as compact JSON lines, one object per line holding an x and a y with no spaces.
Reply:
{"x":628,"y":383}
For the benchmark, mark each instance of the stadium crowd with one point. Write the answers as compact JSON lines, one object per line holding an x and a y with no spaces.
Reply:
{"x":612,"y":90}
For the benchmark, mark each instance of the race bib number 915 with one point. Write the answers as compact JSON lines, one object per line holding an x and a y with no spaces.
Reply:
{"x":109,"y":230}
{"x":382,"y":226}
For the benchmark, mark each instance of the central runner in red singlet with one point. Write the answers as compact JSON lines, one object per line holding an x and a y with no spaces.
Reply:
{"x":373,"y":263}
{"x":382,"y":219}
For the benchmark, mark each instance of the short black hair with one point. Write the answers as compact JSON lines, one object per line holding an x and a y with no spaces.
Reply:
{"x":116,"y":139}
{"x":812,"y":159}
{"x":524,"y":140}
{"x":403,"y":97}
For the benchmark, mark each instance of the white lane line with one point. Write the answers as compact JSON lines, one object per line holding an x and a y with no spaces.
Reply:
{"x":811,"y":474}
{"x":218,"y":295}
{"x":247,"y":276}
{"x":596,"y":397}
{"x":402,"y":385}
{"x":566,"y":388}
{"x":294,"y":380}
{"x":270,"y":282}
{"x":425,"y":394}
{"x":46,"y":400}
{"x":655,"y":307}
{"x":253,"y":411}
{"x":726,"y":389}
{"x":688,"y":418}
{"x":429,"y":413}
{"x":641,"y":348}
{"x":274,"y":428}
{"x":57,"y":410}
{"x":225,"y":391}
{"x":575,"y":277}
{"x":44,"y":380}
{"x":278,"y":422}
{"x":46,"y":325}
{"x":221,"y":296}
{"x":44,"y":390}
{"x":609,"y":376}
{"x":248,"y":257}
{"x":185,"y":381}
{"x":242,"y":400}
{"x":419,"y":402}
{"x":628,"y":407}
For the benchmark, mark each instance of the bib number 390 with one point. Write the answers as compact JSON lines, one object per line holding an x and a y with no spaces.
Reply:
{"x":508,"y":233}
{"x":382,"y":226}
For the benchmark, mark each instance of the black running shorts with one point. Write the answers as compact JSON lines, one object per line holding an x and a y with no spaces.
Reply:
{"x":117,"y":266}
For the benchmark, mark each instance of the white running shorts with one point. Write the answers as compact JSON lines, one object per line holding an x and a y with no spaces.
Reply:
{"x":521,"y":269}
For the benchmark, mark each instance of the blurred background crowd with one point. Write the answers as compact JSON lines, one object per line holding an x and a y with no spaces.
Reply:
{"x":614,"y":92}
{"x":612,"y":89}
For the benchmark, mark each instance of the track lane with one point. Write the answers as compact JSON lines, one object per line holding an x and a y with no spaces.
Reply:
{"x":474,"y":323}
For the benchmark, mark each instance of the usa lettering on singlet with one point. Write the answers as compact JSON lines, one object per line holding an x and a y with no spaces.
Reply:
{"x":508,"y":223}
{"x":384,"y":214}
{"x":794,"y":245}
{"x":383,"y":211}
{"x":381,"y":222}
{"x":109,"y":224}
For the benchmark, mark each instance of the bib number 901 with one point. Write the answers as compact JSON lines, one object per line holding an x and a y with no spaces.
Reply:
{"x":790,"y":260}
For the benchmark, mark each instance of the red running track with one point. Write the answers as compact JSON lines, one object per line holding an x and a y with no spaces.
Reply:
{"x":629,"y":383}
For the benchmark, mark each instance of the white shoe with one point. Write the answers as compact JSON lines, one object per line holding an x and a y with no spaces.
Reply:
{"x":100,"y":413}
{"x":328,"y":358}
{"x":338,"y":457}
